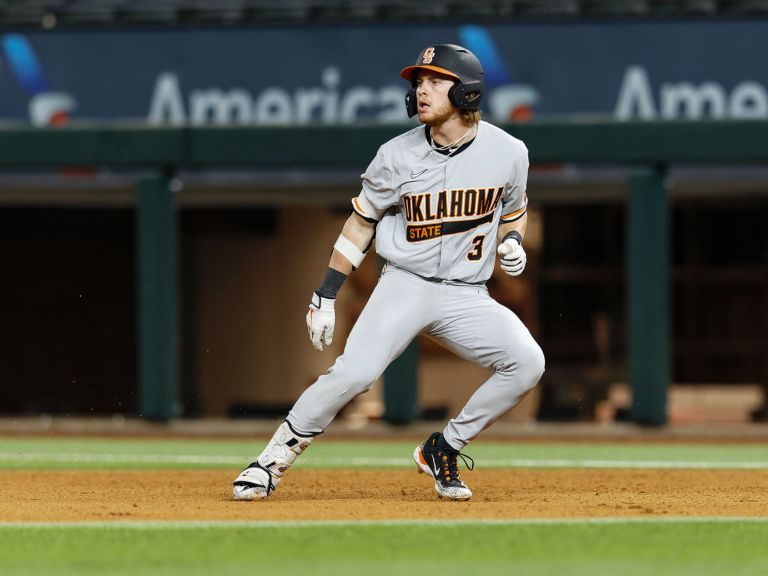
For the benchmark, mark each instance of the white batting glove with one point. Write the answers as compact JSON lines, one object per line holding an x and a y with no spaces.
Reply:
{"x":321,"y":318}
{"x":513,"y":257}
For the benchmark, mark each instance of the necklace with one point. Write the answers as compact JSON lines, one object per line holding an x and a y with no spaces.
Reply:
{"x":456,"y":144}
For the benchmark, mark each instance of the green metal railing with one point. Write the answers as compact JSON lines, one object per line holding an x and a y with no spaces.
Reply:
{"x":157,"y":301}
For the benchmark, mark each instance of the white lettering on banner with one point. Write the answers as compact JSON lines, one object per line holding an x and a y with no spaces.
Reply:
{"x":689,"y":101}
{"x":355,"y":100}
{"x":167,"y":105}
{"x":391,"y":99}
{"x":219,"y":107}
{"x":635,"y":93}
{"x":331,"y":79}
{"x":748,"y":100}
{"x":274,"y":105}
{"x":307,"y":100}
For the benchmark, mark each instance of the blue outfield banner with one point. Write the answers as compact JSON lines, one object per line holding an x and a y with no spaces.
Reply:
{"x":299,"y":75}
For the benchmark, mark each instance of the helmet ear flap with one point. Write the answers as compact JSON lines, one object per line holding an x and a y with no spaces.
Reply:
{"x":467,"y":96}
{"x":454,"y":94}
{"x":410,"y":102}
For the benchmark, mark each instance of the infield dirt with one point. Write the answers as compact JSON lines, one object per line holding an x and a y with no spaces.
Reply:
{"x":379,"y":494}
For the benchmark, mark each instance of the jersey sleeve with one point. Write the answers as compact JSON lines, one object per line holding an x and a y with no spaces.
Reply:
{"x":515,"y":201}
{"x":379,"y":192}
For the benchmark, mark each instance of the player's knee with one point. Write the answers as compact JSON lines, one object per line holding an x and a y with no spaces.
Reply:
{"x":524,"y":363}
{"x":530,"y":364}
{"x":359,"y":379}
{"x":535,"y":364}
{"x":362,"y":384}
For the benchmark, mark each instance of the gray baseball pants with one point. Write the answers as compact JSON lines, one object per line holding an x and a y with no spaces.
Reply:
{"x":463,"y":318}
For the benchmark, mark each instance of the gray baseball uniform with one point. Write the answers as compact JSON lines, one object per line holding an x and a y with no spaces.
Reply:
{"x":437,"y":217}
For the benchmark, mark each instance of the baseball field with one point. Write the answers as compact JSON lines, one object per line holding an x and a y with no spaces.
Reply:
{"x":163,"y":506}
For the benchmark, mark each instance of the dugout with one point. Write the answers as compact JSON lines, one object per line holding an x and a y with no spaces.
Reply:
{"x":178,"y":296}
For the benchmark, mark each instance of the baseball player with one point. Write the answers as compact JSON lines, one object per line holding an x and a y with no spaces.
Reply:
{"x":442,"y":200}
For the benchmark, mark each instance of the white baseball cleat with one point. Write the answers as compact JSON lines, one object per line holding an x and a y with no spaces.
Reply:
{"x":443,"y":468}
{"x":262,"y":476}
{"x":254,"y":483}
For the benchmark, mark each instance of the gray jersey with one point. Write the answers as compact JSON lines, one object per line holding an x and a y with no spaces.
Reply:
{"x":438,"y":214}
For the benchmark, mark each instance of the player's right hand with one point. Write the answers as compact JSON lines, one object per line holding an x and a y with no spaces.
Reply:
{"x":321,"y":318}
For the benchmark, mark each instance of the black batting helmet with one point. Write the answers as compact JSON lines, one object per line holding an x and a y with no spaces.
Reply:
{"x":453,"y":61}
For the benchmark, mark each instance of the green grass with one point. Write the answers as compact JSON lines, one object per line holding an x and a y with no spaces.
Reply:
{"x":595,"y":549}
{"x":679,"y":547}
{"x":71,"y":453}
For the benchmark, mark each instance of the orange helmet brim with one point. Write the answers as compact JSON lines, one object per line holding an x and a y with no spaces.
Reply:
{"x":410,"y":71}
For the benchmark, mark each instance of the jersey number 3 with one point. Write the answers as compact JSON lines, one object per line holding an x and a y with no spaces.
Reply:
{"x":477,"y":253}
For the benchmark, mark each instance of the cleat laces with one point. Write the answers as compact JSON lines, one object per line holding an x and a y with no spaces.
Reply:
{"x":451,"y":466}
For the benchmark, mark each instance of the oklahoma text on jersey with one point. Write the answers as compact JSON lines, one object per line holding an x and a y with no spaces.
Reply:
{"x":450,"y":211}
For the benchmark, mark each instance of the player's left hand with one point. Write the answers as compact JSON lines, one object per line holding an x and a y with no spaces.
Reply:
{"x":513,"y":257}
{"x":321,"y":319}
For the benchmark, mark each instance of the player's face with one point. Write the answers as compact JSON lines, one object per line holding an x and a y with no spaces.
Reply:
{"x":432,"y":101}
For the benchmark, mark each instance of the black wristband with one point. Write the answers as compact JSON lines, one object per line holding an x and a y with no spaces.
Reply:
{"x":331,"y":283}
{"x":513,"y":234}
